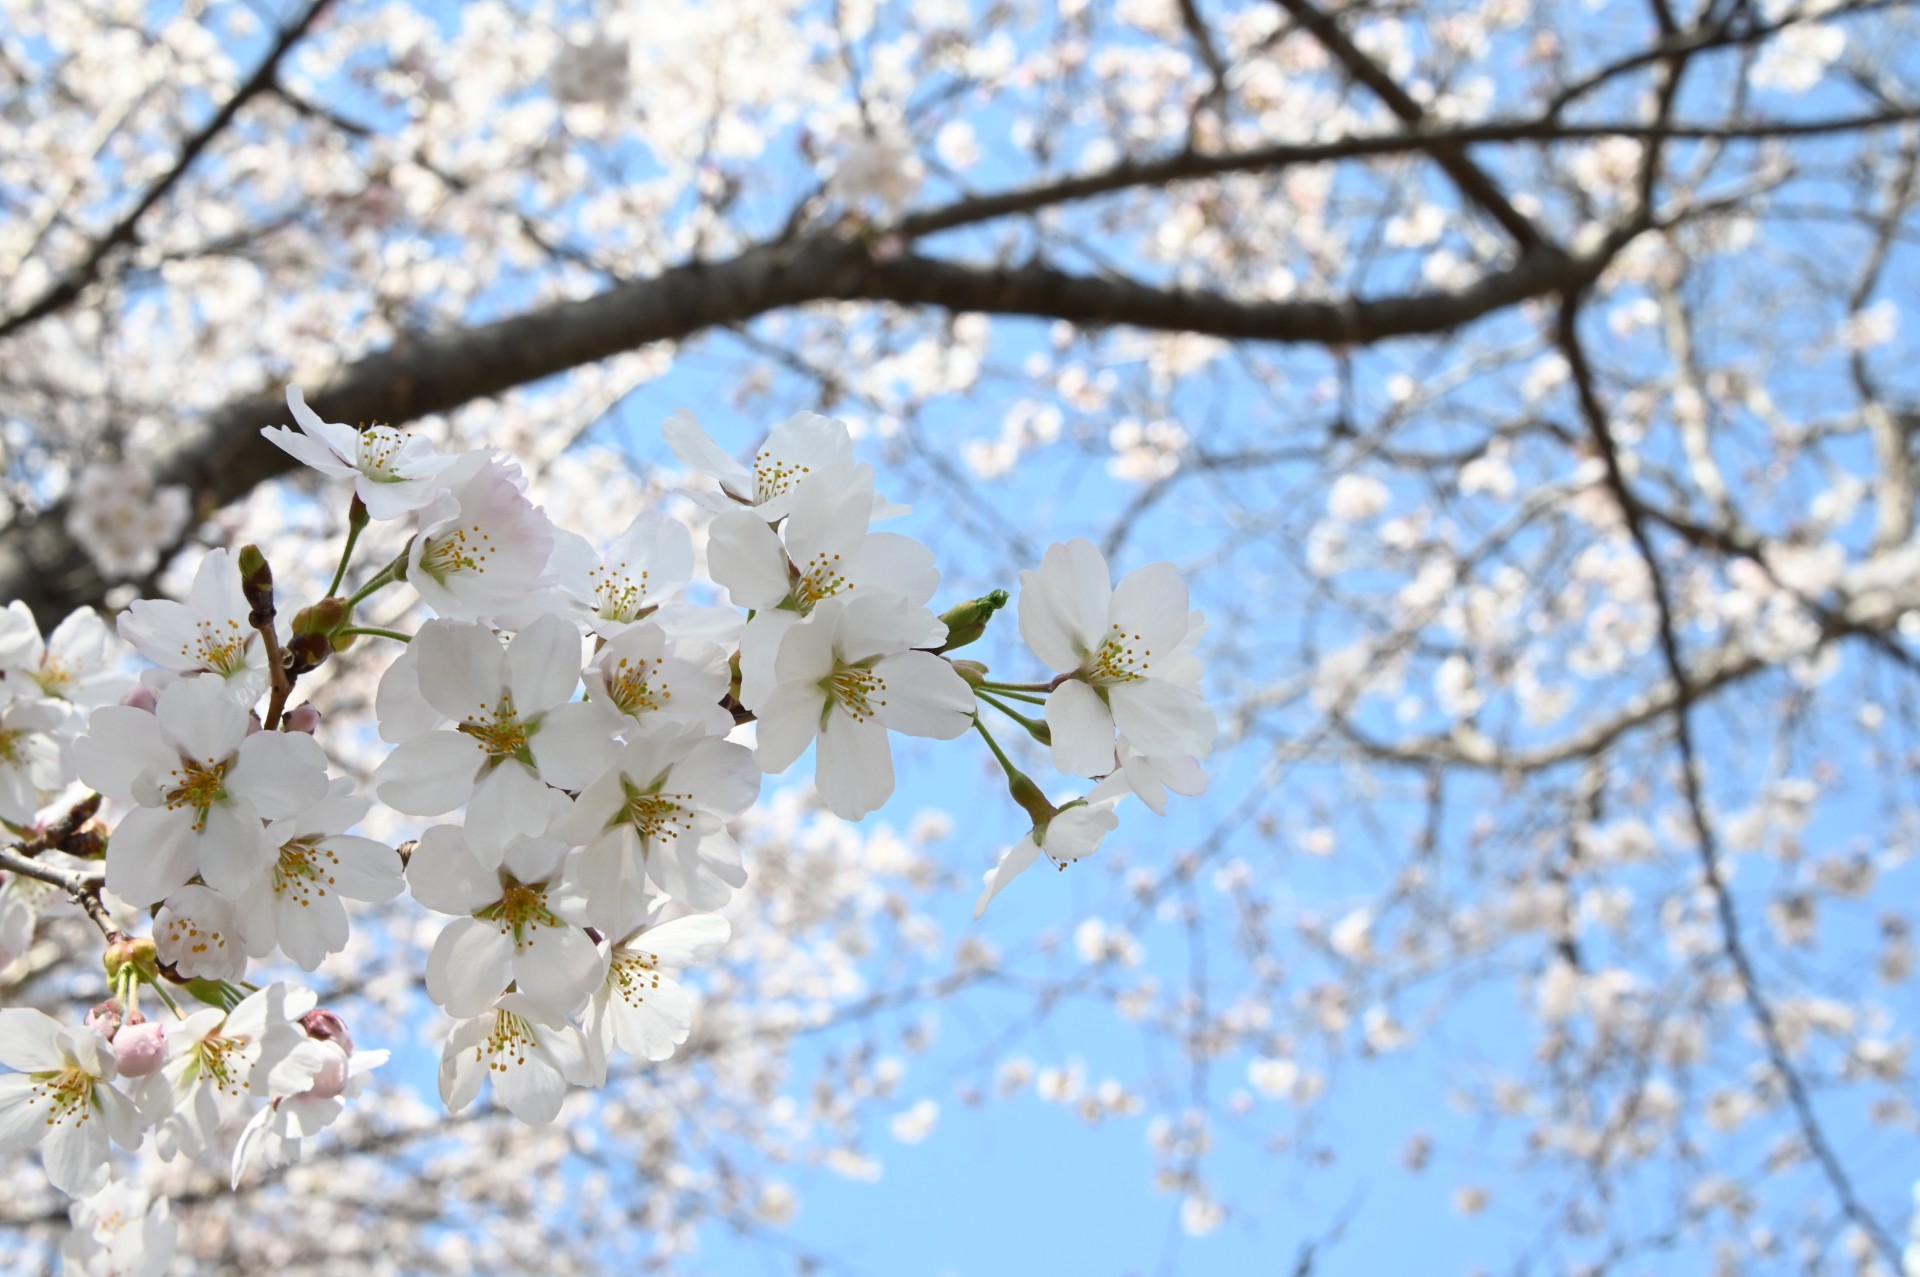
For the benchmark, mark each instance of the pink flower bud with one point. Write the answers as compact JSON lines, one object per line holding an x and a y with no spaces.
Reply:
{"x":140,"y":696}
{"x":105,"y":1018}
{"x":139,"y":1049}
{"x":301,"y":718}
{"x":327,"y":1027}
{"x":332,"y":1077}
{"x":253,"y":721}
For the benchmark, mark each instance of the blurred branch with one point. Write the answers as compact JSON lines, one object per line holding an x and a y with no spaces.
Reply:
{"x":125,"y":231}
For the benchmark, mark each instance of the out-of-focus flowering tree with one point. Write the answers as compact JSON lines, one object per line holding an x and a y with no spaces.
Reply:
{"x":1525,"y":390}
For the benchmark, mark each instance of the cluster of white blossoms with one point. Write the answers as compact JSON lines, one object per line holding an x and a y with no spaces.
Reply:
{"x":595,"y":725}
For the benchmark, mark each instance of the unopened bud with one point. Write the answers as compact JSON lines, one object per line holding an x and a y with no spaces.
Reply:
{"x":331,"y":1080}
{"x":140,"y":1049}
{"x":310,"y":651}
{"x":256,"y":583}
{"x":324,"y":617}
{"x":1031,"y":800}
{"x":105,"y":1018}
{"x":357,"y":516}
{"x":253,"y":721}
{"x":301,"y":718}
{"x":137,"y":950}
{"x":140,"y":696}
{"x":973,"y":671}
{"x":324,"y":1025}
{"x":968,"y":621}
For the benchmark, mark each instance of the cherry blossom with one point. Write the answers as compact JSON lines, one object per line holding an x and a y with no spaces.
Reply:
{"x":804,"y":444}
{"x":61,"y":1099}
{"x":202,"y":785}
{"x":208,"y":633}
{"x":514,"y":731}
{"x":121,"y":519}
{"x":651,"y":683}
{"x":393,"y":472}
{"x":640,"y":1008}
{"x":212,"y":1057}
{"x":120,"y":1231}
{"x":482,"y":546}
{"x":522,"y":925}
{"x":659,"y":812}
{"x":307,"y":1077}
{"x":1074,"y":833}
{"x":30,"y":763}
{"x":299,"y":905}
{"x":645,"y":566}
{"x":1114,"y":645}
{"x":848,"y":677}
{"x":532,"y":1054}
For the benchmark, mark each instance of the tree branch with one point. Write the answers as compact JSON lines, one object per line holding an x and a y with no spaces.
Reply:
{"x":69,"y":287}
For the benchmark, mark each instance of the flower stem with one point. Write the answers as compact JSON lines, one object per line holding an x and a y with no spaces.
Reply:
{"x":1038,"y":730}
{"x":1006,"y":764}
{"x":375,"y":631}
{"x":356,"y":520}
{"x":384,"y":577}
{"x":1012,"y":693}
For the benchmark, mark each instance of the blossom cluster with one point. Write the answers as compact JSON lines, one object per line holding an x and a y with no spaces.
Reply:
{"x":592,"y":718}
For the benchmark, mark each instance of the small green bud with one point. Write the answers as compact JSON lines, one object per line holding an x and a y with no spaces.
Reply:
{"x":323,"y":617}
{"x":968,"y":621}
{"x":256,"y":584}
{"x":136,"y":950}
{"x":309,"y":651}
{"x":1031,"y":800}
{"x":973,"y":671}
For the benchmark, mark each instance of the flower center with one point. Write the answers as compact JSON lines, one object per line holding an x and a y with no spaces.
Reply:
{"x":630,"y":688}
{"x":772,"y":476}
{"x":457,"y":550}
{"x":193,"y":935}
{"x":820,"y":579}
{"x":221,"y":646}
{"x":198,"y":787}
{"x":10,"y":745}
{"x":634,"y":975}
{"x":67,"y":1094}
{"x":617,"y":594}
{"x":1119,"y":659}
{"x":221,"y":1061}
{"x":860,"y":692}
{"x":500,"y":731}
{"x":55,"y":678}
{"x":511,"y":1036}
{"x":304,"y":870}
{"x":521,"y":908}
{"x":379,"y":445}
{"x":655,"y":815}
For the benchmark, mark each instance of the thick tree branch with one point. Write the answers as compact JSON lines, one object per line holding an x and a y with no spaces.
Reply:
{"x":222,"y":457}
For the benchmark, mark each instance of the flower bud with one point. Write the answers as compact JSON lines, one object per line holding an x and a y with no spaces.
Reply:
{"x":968,"y":621}
{"x":253,"y":721}
{"x":140,"y":696}
{"x":324,"y":617}
{"x":105,"y":1018}
{"x":973,"y":671}
{"x":140,"y":1049}
{"x":1031,"y":800}
{"x":331,"y":1080}
{"x":137,"y":950}
{"x":301,"y":718}
{"x":256,"y":584}
{"x":310,"y":651}
{"x":324,"y":1025}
